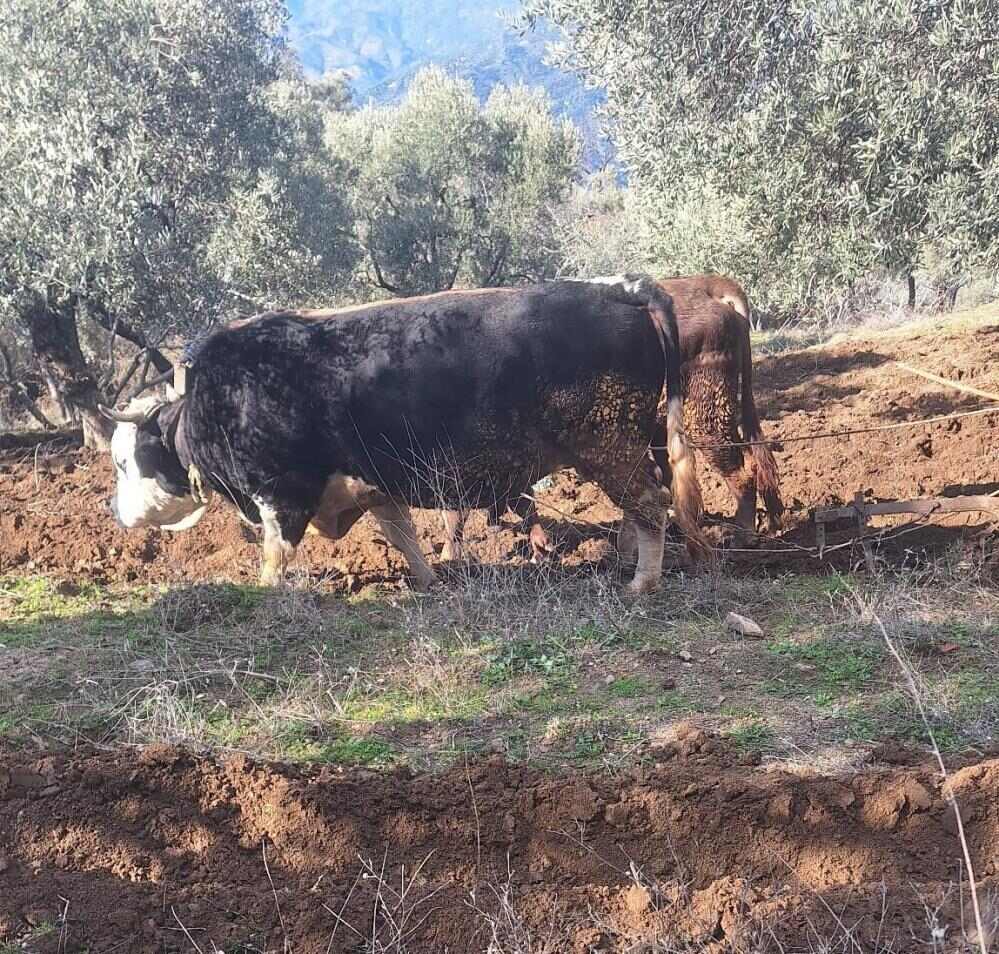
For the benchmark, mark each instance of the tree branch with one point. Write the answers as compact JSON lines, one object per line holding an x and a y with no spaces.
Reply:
{"x":498,"y":263}
{"x":382,"y":283}
{"x":20,"y":392}
{"x":126,"y":377}
{"x":103,"y":317}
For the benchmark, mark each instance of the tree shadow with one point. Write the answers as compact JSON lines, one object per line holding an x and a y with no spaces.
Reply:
{"x":804,"y":381}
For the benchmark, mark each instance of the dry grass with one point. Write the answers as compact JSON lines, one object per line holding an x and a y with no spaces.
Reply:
{"x":535,"y":663}
{"x":877,"y":321}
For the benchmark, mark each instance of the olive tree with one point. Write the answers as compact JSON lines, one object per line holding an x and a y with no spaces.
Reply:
{"x":600,"y":229}
{"x":286,"y":239}
{"x":821,"y":141}
{"x":445,"y":190}
{"x":137,"y":138}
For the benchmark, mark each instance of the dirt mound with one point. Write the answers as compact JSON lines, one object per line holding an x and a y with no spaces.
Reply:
{"x":54,"y":509}
{"x":161,"y":849}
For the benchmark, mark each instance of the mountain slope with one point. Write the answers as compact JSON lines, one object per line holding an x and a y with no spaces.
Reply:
{"x":382,"y":43}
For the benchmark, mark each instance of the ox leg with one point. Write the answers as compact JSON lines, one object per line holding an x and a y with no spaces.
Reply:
{"x":541,"y":546}
{"x":397,"y":524}
{"x":454,"y":525}
{"x":644,"y":501}
{"x":712,"y":415}
{"x":627,"y":541}
{"x":645,"y":509}
{"x":283,"y":531}
{"x":738,"y":474}
{"x":650,"y":531}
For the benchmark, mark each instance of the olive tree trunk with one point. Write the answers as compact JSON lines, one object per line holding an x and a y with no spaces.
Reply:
{"x":56,"y":344}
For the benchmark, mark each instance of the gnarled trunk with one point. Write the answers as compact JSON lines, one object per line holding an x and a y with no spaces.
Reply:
{"x":56,"y":345}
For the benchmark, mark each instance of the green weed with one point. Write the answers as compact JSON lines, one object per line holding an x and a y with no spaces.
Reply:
{"x":522,"y":657}
{"x":629,"y":687}
{"x":751,"y":736}
{"x":397,"y":706}
{"x":36,"y":597}
{"x":831,"y":665}
{"x":673,"y":702}
{"x":589,"y":745}
{"x":360,"y":751}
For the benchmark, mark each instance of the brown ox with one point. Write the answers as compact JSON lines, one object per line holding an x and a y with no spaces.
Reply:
{"x":717,"y":380}
{"x":713,"y":317}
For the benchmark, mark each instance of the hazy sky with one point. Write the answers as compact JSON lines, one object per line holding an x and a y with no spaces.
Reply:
{"x":375,"y":39}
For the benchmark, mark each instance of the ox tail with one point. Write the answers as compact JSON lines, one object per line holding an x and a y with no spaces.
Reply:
{"x":763,"y":463}
{"x":686,"y":491}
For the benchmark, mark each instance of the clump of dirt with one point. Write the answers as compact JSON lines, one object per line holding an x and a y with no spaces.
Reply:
{"x":54,"y":509}
{"x":145,"y":851}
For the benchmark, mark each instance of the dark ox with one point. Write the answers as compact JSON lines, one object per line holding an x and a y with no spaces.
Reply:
{"x":460,"y":398}
{"x":713,"y":319}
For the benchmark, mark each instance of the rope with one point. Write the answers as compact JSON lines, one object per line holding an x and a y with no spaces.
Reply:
{"x":877,"y":537}
{"x":825,"y":435}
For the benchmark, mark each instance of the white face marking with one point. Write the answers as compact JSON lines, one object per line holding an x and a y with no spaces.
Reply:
{"x":141,"y":501}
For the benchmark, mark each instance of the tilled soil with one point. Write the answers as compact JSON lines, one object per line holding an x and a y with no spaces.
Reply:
{"x":54,"y":509}
{"x":158,"y":850}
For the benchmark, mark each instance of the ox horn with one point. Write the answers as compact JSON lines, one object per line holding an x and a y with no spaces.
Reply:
{"x":160,"y":379}
{"x":125,"y":417}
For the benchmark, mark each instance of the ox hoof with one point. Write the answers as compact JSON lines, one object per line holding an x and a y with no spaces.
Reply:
{"x":641,"y":586}
{"x":424,"y":584}
{"x":546,"y":555}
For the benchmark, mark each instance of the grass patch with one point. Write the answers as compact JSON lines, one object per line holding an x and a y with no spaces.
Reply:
{"x":492,"y":664}
{"x":298,"y":743}
{"x":674,"y":703}
{"x":546,"y":700}
{"x":359,"y":751}
{"x":589,"y":745}
{"x":37,"y":598}
{"x":751,"y":736}
{"x":829,"y":667}
{"x":398,"y":706}
{"x":629,"y":687}
{"x":523,"y":657}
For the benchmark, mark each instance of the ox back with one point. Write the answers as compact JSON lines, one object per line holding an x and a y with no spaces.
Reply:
{"x":456,"y":400}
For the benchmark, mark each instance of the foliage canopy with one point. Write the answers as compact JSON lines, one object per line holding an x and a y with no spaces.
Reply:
{"x":815,"y":142}
{"x":446,"y":191}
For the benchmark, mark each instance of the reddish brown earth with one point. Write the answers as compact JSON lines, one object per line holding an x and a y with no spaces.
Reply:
{"x":136,"y":849}
{"x":54,"y":516}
